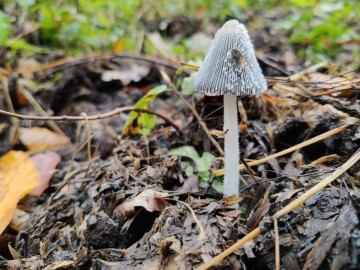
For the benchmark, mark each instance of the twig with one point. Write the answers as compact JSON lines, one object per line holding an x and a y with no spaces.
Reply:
{"x":70,"y":62}
{"x":16,"y":123}
{"x":202,"y":234}
{"x":195,"y":113}
{"x":311,"y":69}
{"x":91,"y":117}
{"x":256,"y":232}
{"x":315,"y":189}
{"x":65,"y":62}
{"x":277,"y":245}
{"x":289,"y":208}
{"x":88,"y":140}
{"x":263,"y":59}
{"x":77,"y":148}
{"x":149,"y":59}
{"x":29,"y":97}
{"x":313,"y":140}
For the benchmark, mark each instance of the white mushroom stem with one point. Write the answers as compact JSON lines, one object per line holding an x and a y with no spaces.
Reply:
{"x":232,"y":152}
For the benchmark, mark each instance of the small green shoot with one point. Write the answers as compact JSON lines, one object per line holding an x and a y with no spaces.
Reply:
{"x":140,"y":122}
{"x":202,"y":162}
{"x":5,"y":29}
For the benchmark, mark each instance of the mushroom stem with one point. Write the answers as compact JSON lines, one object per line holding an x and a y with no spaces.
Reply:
{"x":232,"y":152}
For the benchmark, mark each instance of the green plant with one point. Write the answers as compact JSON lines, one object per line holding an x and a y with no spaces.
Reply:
{"x":202,"y":162}
{"x":5,"y":28}
{"x":140,"y":122}
{"x":323,"y":28}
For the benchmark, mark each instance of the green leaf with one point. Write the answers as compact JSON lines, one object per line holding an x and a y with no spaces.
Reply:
{"x":187,"y":85}
{"x":202,"y":162}
{"x":5,"y":29}
{"x":304,"y":3}
{"x":21,"y":44}
{"x":143,"y":123}
{"x":147,"y":122}
{"x":218,"y":185}
{"x":48,"y":20}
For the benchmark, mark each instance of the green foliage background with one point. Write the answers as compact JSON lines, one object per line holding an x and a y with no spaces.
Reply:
{"x":319,"y":29}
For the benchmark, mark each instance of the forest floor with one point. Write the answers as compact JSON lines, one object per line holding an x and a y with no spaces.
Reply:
{"x":121,"y":200}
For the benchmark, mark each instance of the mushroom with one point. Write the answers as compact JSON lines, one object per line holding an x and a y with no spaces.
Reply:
{"x":231,"y":69}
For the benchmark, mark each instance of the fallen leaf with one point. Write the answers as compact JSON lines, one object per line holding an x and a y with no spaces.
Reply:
{"x":326,"y":81}
{"x":46,"y":164}
{"x":231,"y":200}
{"x":18,"y":176}
{"x":42,"y":138}
{"x":255,"y":218}
{"x":325,"y":159}
{"x":150,"y":199}
{"x":286,"y":195}
{"x":19,"y":220}
{"x":191,"y":184}
{"x":5,"y":240}
{"x":134,"y":73}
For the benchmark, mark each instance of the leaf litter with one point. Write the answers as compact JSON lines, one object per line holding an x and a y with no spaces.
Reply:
{"x":137,"y":208}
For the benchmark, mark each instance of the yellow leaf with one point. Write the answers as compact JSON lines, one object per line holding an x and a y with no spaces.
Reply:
{"x":42,"y":138}
{"x":18,"y":176}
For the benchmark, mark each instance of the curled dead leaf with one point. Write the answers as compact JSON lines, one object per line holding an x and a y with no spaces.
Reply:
{"x":149,"y":199}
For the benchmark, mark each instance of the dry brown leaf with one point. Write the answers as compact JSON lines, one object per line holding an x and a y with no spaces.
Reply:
{"x":14,"y":253}
{"x":42,"y":138}
{"x":217,"y":133}
{"x":277,"y":100}
{"x":325,"y":81}
{"x":282,"y":196}
{"x":19,"y":220}
{"x":254,"y":220}
{"x":325,"y":159}
{"x":231,"y":200}
{"x":18,"y":176}
{"x":149,"y":199}
{"x":191,"y":184}
{"x":46,"y":164}
{"x":5,"y":240}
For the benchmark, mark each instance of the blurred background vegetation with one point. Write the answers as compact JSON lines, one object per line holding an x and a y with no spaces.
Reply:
{"x":315,"y":30}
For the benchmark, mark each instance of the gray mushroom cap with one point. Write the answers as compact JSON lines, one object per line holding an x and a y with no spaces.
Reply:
{"x":230,"y":66}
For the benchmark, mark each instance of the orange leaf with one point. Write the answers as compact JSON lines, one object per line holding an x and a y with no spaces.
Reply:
{"x":42,"y":138}
{"x":118,"y":46}
{"x":18,"y":176}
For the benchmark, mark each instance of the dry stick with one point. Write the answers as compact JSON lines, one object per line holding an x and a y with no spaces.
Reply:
{"x":29,"y":97}
{"x":91,"y":117}
{"x":16,"y":123}
{"x":63,"y":62}
{"x":66,"y":62}
{"x":202,"y":234}
{"x":195,"y":113}
{"x":287,"y":209}
{"x":313,"y":140}
{"x":149,"y":59}
{"x":77,"y":148}
{"x":231,"y":249}
{"x":88,"y":141}
{"x":311,"y":69}
{"x":322,"y":184}
{"x":277,"y":245}
{"x":5,"y":88}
